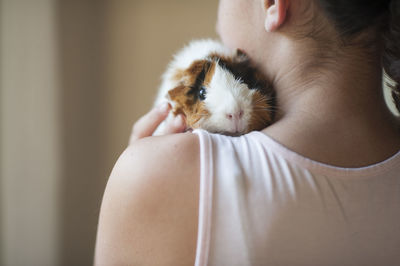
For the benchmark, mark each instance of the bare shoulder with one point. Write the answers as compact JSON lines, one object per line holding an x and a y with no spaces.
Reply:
{"x":173,"y":155}
{"x":149,"y":211}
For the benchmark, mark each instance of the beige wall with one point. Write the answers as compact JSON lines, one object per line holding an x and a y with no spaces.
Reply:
{"x":74,"y":75}
{"x":30,"y":138}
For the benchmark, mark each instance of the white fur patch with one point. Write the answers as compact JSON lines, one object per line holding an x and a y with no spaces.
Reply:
{"x":227,"y":96}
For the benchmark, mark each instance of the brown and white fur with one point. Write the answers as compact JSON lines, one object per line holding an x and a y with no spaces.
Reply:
{"x":217,"y":90}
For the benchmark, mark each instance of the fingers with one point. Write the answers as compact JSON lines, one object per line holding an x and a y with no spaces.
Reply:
{"x":148,"y":123}
{"x":176,"y":125}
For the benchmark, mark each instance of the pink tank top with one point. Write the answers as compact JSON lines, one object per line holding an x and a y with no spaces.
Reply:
{"x":262,"y":204}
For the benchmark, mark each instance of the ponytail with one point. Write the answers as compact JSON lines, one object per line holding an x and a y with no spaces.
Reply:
{"x":391,"y":53}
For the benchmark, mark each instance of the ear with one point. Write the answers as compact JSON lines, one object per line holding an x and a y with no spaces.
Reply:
{"x":275,"y":13}
{"x":241,"y":56}
{"x":177,"y":94}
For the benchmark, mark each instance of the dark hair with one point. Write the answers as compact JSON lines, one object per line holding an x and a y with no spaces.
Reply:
{"x":352,"y":17}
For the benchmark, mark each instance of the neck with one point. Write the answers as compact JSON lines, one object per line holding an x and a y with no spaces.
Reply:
{"x":329,"y":104}
{"x":344,"y":82}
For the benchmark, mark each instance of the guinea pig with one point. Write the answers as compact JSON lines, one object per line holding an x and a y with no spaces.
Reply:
{"x":217,"y":90}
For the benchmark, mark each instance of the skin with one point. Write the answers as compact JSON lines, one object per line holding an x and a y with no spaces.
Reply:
{"x":333,"y":113}
{"x":149,"y":214}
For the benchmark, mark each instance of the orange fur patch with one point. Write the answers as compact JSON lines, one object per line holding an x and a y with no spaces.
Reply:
{"x":178,"y":75}
{"x":209,"y":74}
{"x":262,"y":112}
{"x":187,"y":103}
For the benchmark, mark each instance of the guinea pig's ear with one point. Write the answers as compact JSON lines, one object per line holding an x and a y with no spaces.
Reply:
{"x":241,"y":56}
{"x":177,"y":94}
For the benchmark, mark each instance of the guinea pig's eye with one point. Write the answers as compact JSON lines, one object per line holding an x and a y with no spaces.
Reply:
{"x":202,"y":93}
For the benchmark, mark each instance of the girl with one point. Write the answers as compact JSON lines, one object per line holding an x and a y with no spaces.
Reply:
{"x":321,"y":186}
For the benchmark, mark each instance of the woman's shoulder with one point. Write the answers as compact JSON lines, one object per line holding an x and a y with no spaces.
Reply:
{"x":150,"y":207}
{"x":167,"y":152}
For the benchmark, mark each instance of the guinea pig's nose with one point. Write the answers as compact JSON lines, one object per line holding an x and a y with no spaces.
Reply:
{"x":236,"y":116}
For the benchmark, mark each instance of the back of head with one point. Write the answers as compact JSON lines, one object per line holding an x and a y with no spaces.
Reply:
{"x":352,"y":18}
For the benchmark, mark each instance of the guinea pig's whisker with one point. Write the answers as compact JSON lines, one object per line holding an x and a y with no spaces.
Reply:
{"x":266,"y":109}
{"x":260,"y":101}
{"x":263,"y":98}
{"x":262,"y":105}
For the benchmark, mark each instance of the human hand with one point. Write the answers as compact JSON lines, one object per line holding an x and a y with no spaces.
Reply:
{"x":148,"y":123}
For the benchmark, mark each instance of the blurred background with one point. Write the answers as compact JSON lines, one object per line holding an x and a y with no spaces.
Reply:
{"x":74,"y":76}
